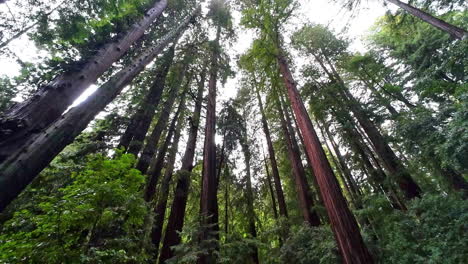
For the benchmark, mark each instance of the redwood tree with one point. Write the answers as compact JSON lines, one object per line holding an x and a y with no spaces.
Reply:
{"x":23,"y":164}
{"x":22,"y":122}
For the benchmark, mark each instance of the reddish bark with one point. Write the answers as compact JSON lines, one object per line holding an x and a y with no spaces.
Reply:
{"x":302,"y":187}
{"x":175,"y":222}
{"x":274,"y":166}
{"x":155,"y":171}
{"x":132,"y":139}
{"x":343,"y":223}
{"x":153,"y":139}
{"x":160,"y":208}
{"x":209,"y":199}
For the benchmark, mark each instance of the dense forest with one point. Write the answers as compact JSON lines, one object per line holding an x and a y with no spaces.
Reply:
{"x":217,"y":131}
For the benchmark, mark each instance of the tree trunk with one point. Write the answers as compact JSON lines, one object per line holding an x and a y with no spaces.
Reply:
{"x":270,"y":188}
{"x":152,"y":141}
{"x":302,"y":187}
{"x":249,"y":194}
{"x":209,"y":199}
{"x":132,"y":139}
{"x":274,"y":166}
{"x":340,"y":172}
{"x":175,"y":222}
{"x":26,"y":162}
{"x":24,"y":120}
{"x":453,"y":30}
{"x":391,"y":162}
{"x":346,"y":171}
{"x":160,"y":208}
{"x":343,"y":223}
{"x":155,"y":171}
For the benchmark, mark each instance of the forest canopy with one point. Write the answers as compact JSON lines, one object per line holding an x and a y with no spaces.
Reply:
{"x":233,"y":131}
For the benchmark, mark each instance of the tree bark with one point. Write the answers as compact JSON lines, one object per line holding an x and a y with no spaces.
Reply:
{"x":209,"y":199}
{"x":343,"y":223}
{"x":302,"y":187}
{"x":26,"y":162}
{"x":270,"y":188}
{"x":175,"y":222}
{"x":248,"y":192}
{"x":453,"y":30}
{"x":390,"y":161}
{"x":24,"y":120}
{"x":132,"y":139}
{"x":152,"y":141}
{"x":160,"y":208}
{"x":155,"y":171}
{"x":274,"y":166}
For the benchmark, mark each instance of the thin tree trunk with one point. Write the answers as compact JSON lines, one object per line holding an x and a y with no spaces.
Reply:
{"x":26,"y":162}
{"x":343,"y":223}
{"x":346,"y":171}
{"x":302,"y":187}
{"x":155,"y":171}
{"x":160,"y":208}
{"x":226,"y":201}
{"x":347,"y":184}
{"x":249,"y":194}
{"x":24,"y":120}
{"x":209,"y":199}
{"x":132,"y":139}
{"x":270,"y":188}
{"x":175,"y":222}
{"x":453,"y":30}
{"x":391,"y":162}
{"x":274,"y":166}
{"x":153,"y":139}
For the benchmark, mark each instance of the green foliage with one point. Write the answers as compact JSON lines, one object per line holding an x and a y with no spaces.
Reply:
{"x":433,"y":230}
{"x":310,"y":245}
{"x":95,"y":219}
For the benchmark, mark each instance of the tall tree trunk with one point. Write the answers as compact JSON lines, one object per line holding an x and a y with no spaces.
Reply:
{"x":346,"y":171}
{"x":175,"y":222}
{"x":342,"y":221}
{"x":391,"y":162}
{"x":302,"y":187}
{"x":270,"y":188}
{"x":209,"y":199}
{"x":26,"y":162}
{"x":340,"y":172}
{"x":249,"y":194}
{"x":132,"y":139}
{"x":226,"y":201}
{"x":155,"y":170}
{"x":274,"y":166}
{"x":376,"y":173}
{"x":153,"y":139}
{"x":24,"y":120}
{"x":453,"y":30}
{"x":160,"y":208}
